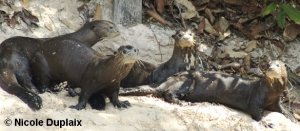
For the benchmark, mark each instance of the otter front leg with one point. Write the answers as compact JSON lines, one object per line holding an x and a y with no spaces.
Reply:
{"x":114,"y":99}
{"x":112,"y":93}
{"x":256,"y":109}
{"x":83,"y":99}
{"x":275,"y":107}
{"x":40,"y":71}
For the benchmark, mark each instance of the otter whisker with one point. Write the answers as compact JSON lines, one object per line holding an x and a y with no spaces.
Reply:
{"x":141,"y":63}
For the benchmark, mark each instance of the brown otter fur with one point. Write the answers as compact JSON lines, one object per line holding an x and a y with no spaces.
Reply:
{"x":23,"y":48}
{"x":183,"y":58}
{"x":138,"y":75}
{"x":63,"y":53}
{"x":68,"y":60}
{"x":250,"y":96}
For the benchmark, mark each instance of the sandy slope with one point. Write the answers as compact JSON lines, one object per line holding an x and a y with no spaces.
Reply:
{"x":146,"y":113}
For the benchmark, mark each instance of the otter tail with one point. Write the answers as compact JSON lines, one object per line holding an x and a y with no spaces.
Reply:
{"x":8,"y":82}
{"x":138,"y":91}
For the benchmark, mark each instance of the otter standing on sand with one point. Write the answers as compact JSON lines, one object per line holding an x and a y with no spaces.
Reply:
{"x":183,"y":58}
{"x":250,"y":96}
{"x":68,"y":60}
{"x":16,"y":52}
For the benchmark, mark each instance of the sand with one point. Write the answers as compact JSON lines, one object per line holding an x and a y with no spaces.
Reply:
{"x":146,"y":113}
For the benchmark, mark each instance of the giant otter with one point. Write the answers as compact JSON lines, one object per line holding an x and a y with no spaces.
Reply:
{"x":68,"y":60}
{"x":139,"y":74}
{"x":183,"y":58}
{"x":86,"y":66}
{"x":19,"y":48}
{"x":250,"y":96}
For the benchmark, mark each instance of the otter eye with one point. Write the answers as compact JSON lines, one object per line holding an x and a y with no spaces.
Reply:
{"x":180,"y":35}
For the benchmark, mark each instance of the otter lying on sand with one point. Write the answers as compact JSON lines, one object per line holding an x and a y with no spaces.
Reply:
{"x":249,"y":96}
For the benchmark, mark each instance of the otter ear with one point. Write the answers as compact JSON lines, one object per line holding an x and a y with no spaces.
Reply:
{"x":115,"y":52}
{"x":93,"y":27}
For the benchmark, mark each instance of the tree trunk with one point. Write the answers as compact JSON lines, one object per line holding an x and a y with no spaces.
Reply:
{"x":127,"y":12}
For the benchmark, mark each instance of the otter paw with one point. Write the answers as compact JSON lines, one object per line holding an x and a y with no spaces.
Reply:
{"x":122,"y":104}
{"x":35,"y":103}
{"x":78,"y":107}
{"x":35,"y":90}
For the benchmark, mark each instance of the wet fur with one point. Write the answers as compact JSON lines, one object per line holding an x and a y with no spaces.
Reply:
{"x":16,"y":54}
{"x":184,"y":58}
{"x":250,"y":96}
{"x":69,"y":60}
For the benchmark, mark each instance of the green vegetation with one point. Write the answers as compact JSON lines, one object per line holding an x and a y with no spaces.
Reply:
{"x":281,"y":11}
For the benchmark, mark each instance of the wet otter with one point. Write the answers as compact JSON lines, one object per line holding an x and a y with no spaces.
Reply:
{"x":250,"y":96}
{"x":68,"y":60}
{"x":65,"y":59}
{"x":22,"y":49}
{"x":183,"y":58}
{"x":138,"y":75}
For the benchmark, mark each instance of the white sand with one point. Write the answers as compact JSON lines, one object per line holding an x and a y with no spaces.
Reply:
{"x":146,"y":113}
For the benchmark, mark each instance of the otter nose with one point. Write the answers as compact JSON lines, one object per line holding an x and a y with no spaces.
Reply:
{"x":136,"y":50}
{"x":129,"y":47}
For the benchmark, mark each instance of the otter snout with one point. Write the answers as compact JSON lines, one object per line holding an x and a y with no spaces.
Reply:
{"x":129,"y":52}
{"x":184,"y":38}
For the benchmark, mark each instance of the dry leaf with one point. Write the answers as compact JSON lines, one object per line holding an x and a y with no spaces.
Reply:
{"x":201,"y":26}
{"x":251,"y":45}
{"x":297,"y":116}
{"x":160,"y":5}
{"x":157,"y":17}
{"x":224,"y":35}
{"x":84,"y":12}
{"x":221,"y":25}
{"x":235,"y":54}
{"x":247,"y":62}
{"x":29,"y":18}
{"x":234,"y":2}
{"x":291,"y":31}
{"x":191,"y":9}
{"x":4,"y":17}
{"x":25,"y":3}
{"x":210,"y":29}
{"x":98,"y":12}
{"x":210,"y":15}
{"x":256,"y":29}
{"x":14,"y":19}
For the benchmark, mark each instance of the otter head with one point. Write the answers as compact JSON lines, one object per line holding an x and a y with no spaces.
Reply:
{"x":184,"y":38}
{"x":128,"y":54}
{"x":276,"y":76}
{"x":104,"y":29}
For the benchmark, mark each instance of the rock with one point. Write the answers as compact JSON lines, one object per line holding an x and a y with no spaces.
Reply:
{"x":146,"y":42}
